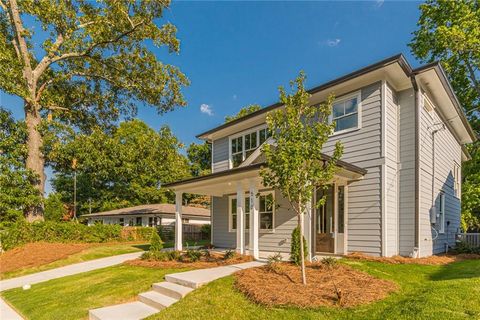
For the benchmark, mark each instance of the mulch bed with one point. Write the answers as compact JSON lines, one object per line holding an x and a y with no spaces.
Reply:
{"x":336,"y":286}
{"x":37,"y":254}
{"x":432,"y":260}
{"x":215,"y":261}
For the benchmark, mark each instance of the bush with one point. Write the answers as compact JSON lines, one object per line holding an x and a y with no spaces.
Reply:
{"x":156,"y":243}
{"x":295,"y":247}
{"x":206,"y":231}
{"x":229,"y":254}
{"x":329,"y":262}
{"x":193,"y":254}
{"x":22,"y":232}
{"x":463,"y":247}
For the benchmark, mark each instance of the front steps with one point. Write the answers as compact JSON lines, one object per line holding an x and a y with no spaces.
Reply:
{"x":164,"y":294}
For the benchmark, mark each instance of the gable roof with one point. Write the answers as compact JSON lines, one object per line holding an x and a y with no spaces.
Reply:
{"x":398,"y":59}
{"x":161,"y":208}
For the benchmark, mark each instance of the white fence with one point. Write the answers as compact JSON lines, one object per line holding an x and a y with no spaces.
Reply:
{"x":472,"y":239}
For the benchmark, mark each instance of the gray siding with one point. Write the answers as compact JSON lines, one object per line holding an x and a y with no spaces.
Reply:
{"x":276,"y":241}
{"x":447,"y":153}
{"x":363,"y":148}
{"x":391,"y":172}
{"x":406,"y":101}
{"x":220,"y":152}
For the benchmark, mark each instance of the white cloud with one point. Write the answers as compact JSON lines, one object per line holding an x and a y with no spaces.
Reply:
{"x":205,"y":108}
{"x":234,"y":97}
{"x":378,"y":3}
{"x":332,"y":42}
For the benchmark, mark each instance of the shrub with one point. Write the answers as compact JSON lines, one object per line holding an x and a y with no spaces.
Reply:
{"x":174,"y":255}
{"x":295,"y":247}
{"x":193,"y":254}
{"x":156,"y":243}
{"x":329,"y":262}
{"x":155,"y":255}
{"x":275,"y":258}
{"x":22,"y":232}
{"x":206,"y":231}
{"x":229,"y":254}
{"x":464,"y":247}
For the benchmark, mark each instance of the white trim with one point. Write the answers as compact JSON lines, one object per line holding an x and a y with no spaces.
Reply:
{"x":383,"y":171}
{"x":357,"y":94}
{"x":249,"y":160}
{"x":178,"y":221}
{"x":230,"y":212}
{"x":457,"y":180}
{"x":242,"y":134}
{"x":262,"y":193}
{"x":345,"y":219}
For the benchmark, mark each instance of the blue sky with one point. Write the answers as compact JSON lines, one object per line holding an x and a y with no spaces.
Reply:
{"x":238,"y":53}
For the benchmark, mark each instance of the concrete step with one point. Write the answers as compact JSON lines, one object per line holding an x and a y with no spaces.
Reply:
{"x":126,"y":311}
{"x":172,"y":290}
{"x":156,"y":300}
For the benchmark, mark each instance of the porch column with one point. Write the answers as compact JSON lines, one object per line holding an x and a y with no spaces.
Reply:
{"x":240,"y":219}
{"x":178,"y":221}
{"x":254,"y":221}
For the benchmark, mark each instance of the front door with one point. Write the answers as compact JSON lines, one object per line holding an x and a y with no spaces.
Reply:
{"x":325,"y":221}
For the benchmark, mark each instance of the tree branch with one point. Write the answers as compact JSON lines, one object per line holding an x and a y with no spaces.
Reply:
{"x":22,"y":44}
{"x":3,"y":6}
{"x":474,"y":79}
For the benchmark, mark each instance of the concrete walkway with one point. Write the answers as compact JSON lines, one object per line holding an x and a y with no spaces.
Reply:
{"x":164,"y":294}
{"x":7,"y":313}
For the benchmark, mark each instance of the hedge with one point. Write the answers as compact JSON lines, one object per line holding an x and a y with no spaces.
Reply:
{"x":23,"y":232}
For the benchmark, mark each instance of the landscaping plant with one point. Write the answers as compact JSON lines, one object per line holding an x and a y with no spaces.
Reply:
{"x":295,"y":164}
{"x":229,"y":254}
{"x":295,"y":255}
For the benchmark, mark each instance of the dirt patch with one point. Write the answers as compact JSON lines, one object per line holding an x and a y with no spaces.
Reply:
{"x":432,"y":260}
{"x":215,"y":260}
{"x":340,"y":286}
{"x":37,"y":254}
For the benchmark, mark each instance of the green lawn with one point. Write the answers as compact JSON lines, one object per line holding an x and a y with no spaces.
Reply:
{"x":71,"y":297}
{"x":427,"y":292}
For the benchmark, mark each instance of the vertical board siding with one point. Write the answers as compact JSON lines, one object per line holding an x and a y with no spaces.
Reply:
{"x":220,"y":160}
{"x":406,"y":187}
{"x":363,"y":148}
{"x":391,"y":172}
{"x":447,"y":153}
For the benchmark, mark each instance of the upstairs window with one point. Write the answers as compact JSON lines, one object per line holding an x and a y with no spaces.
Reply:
{"x":457,"y":186}
{"x":441,"y":213}
{"x":243,"y":145}
{"x":346,"y":113}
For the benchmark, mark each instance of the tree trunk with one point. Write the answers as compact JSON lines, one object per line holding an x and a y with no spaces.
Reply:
{"x":35,"y":159}
{"x":302,"y":249}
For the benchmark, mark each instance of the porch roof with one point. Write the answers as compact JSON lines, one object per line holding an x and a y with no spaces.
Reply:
{"x":226,"y":182}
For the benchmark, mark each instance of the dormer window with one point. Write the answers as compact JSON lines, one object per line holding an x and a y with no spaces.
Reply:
{"x":242,"y":145}
{"x":346,"y":113}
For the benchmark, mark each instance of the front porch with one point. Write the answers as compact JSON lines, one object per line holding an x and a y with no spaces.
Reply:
{"x":244,"y":218}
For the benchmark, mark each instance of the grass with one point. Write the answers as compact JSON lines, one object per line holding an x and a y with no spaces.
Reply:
{"x":71,"y":297}
{"x":427,"y":292}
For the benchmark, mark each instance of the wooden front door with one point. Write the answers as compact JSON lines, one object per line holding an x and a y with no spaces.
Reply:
{"x":325,"y":222}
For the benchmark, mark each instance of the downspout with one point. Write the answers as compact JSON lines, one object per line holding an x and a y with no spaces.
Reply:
{"x":416,"y":106}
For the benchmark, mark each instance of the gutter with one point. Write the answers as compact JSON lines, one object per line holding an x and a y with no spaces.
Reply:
{"x":416,"y":107}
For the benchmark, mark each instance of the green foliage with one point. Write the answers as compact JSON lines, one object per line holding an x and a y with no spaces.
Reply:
{"x":295,"y":255}
{"x":156,"y":243}
{"x":463,"y":247}
{"x":193,"y":255}
{"x":243,"y":112}
{"x":229,"y":254}
{"x":22,"y":232}
{"x":121,"y":168}
{"x":449,"y":31}
{"x":54,"y":208}
{"x":206,"y":231}
{"x":329,"y":262}
{"x":16,"y":192}
{"x":200,"y":158}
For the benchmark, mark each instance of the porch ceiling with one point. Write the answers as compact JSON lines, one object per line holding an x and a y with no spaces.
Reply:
{"x":226,"y":182}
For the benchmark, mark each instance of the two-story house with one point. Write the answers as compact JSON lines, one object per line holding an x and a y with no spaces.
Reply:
{"x":397,"y":190}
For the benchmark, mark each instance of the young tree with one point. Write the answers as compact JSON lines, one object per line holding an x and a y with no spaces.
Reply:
{"x":295,"y":163}
{"x":449,"y":31}
{"x":84,"y":63}
{"x":200,"y":158}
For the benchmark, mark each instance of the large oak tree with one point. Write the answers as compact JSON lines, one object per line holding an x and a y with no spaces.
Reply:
{"x":84,"y":63}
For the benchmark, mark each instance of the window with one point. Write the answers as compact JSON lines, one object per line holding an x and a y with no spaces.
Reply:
{"x":130,"y":222}
{"x":457,"y":186}
{"x":345,"y":113}
{"x":341,"y":209}
{"x":441,"y":212}
{"x":122,"y":221}
{"x":185,"y":220}
{"x":266,"y":211}
{"x":241,"y":147}
{"x":154,"y":221}
{"x":233,"y":212}
{"x":139,"y":221}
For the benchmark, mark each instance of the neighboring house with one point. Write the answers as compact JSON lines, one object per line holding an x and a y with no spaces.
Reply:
{"x":150,"y":215}
{"x":397,"y":190}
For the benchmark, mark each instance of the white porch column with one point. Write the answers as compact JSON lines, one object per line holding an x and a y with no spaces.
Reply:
{"x":254,"y":221}
{"x":240,"y":219}
{"x":178,"y":221}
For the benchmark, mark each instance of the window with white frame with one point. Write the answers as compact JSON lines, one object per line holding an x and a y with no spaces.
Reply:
{"x":243,"y":145}
{"x":266,"y":211}
{"x":346,"y":113}
{"x":233,"y":212}
{"x":441,"y":212}
{"x":457,"y":186}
